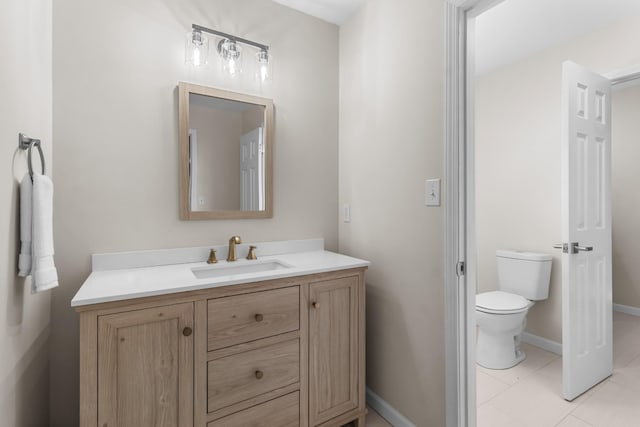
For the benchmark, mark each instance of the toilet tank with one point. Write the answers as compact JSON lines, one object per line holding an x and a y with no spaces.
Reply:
{"x":524,"y":273}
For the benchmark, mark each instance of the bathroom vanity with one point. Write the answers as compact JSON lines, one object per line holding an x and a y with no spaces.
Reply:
{"x":273,"y":342}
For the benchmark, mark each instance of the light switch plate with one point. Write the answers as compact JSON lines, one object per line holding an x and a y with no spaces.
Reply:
{"x":346,"y":211}
{"x":432,"y":192}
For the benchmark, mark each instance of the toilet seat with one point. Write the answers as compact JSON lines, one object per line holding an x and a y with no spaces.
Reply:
{"x":499,"y":302}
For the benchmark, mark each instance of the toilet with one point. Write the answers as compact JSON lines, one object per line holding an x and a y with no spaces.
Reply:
{"x":523,"y":278}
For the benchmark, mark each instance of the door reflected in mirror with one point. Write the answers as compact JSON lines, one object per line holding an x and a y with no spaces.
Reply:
{"x":225,"y":148}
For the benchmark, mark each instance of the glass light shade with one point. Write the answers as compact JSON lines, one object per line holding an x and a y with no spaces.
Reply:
{"x":264,"y":64}
{"x":196,"y":49}
{"x":231,"y":53}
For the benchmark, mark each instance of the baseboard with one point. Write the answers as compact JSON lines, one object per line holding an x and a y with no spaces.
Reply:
{"x":386,"y":411}
{"x":556,"y":347}
{"x":626,"y":309}
{"x":543,"y":343}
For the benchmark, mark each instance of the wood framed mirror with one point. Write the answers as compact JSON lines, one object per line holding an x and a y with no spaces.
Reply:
{"x":226,"y":160}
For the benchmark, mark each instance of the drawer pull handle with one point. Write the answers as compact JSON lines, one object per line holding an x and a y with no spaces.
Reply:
{"x":259,"y":374}
{"x":187,"y":331}
{"x":315,"y":304}
{"x":259,"y":317}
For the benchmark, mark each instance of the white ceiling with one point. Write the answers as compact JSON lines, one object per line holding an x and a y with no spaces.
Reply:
{"x":515,"y":29}
{"x":510,"y":31}
{"x":334,"y":11}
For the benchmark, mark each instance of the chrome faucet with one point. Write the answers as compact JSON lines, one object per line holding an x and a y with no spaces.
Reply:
{"x":232,"y":248}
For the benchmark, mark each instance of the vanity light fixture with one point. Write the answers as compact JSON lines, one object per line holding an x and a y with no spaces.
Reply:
{"x":230,"y":51}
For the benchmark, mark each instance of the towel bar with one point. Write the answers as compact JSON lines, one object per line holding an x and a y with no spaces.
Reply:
{"x":26,"y":143}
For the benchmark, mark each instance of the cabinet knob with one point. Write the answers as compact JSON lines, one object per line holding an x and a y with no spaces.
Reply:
{"x":315,"y":304}
{"x":259,"y":374}
{"x":259,"y":317}
{"x":187,"y":331}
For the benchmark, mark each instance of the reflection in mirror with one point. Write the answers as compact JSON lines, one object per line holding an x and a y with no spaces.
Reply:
{"x":225,"y":148}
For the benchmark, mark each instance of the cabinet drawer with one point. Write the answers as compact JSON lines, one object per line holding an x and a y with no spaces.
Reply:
{"x":242,"y":318}
{"x":242,"y":376}
{"x":280,"y":412}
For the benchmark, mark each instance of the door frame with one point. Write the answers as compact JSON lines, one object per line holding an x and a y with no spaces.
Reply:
{"x":459,"y":268}
{"x":460,"y":206}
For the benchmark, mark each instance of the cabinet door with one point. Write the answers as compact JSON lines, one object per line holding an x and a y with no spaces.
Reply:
{"x":145,"y":368}
{"x":333,"y":348}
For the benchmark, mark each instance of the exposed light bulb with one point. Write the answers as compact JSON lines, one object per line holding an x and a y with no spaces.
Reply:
{"x":231,"y":54}
{"x":196,"y":57}
{"x":232,"y":67}
{"x":196,"y":49}
{"x":263,"y":72}
{"x":265,"y":66}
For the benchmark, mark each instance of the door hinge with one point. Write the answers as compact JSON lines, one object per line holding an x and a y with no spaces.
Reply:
{"x":460,"y":269}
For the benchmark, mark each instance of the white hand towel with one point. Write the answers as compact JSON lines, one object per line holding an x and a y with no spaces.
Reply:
{"x":45,"y":275}
{"x":26,"y":195}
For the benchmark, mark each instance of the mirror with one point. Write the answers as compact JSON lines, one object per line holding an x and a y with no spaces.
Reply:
{"x":226,"y":148}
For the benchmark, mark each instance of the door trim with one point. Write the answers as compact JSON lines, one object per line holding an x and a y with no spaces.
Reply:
{"x":459,"y":288}
{"x":459,"y":212}
{"x":623,"y":75}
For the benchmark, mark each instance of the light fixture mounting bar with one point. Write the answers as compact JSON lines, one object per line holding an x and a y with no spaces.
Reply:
{"x":230,"y":37}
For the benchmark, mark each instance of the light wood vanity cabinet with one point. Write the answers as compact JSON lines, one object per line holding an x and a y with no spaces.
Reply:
{"x":334,"y":356}
{"x":153,"y":347}
{"x":282,"y":353}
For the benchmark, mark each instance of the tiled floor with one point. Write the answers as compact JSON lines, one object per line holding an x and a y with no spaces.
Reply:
{"x":375,"y":420}
{"x":530,"y":394}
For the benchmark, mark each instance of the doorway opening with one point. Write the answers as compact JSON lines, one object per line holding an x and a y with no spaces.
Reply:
{"x":461,"y":214}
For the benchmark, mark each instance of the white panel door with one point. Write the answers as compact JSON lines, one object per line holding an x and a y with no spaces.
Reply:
{"x":250,"y":170}
{"x":193,"y":169}
{"x":587,"y":351}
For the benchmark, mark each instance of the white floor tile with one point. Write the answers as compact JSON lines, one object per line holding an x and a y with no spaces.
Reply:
{"x":490,"y":416}
{"x":629,"y":375}
{"x":613,"y":405}
{"x":375,"y":420}
{"x":572,"y":421}
{"x":626,"y":342}
{"x":535,"y":401}
{"x":488,"y":387}
{"x":536,"y":358}
{"x":530,"y":394}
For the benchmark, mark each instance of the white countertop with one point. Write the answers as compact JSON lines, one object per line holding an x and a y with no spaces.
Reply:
{"x":143,"y":279}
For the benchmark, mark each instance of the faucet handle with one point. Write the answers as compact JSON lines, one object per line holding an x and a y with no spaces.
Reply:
{"x":212,"y":257}
{"x":252,"y":252}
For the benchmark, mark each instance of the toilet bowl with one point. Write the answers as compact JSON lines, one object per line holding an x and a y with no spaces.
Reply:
{"x":523,"y":278}
{"x":501,"y":318}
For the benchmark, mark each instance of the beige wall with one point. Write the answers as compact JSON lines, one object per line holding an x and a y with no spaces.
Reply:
{"x":116,"y":67}
{"x":25,"y":106}
{"x":391,"y":140}
{"x":218,"y":156}
{"x":625,"y":176}
{"x":252,"y":118}
{"x":518,"y":115}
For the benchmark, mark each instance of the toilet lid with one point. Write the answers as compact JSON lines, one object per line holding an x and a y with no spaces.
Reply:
{"x":499,"y":301}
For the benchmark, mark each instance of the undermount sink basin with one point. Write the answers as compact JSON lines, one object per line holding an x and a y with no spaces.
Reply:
{"x":242,"y":267}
